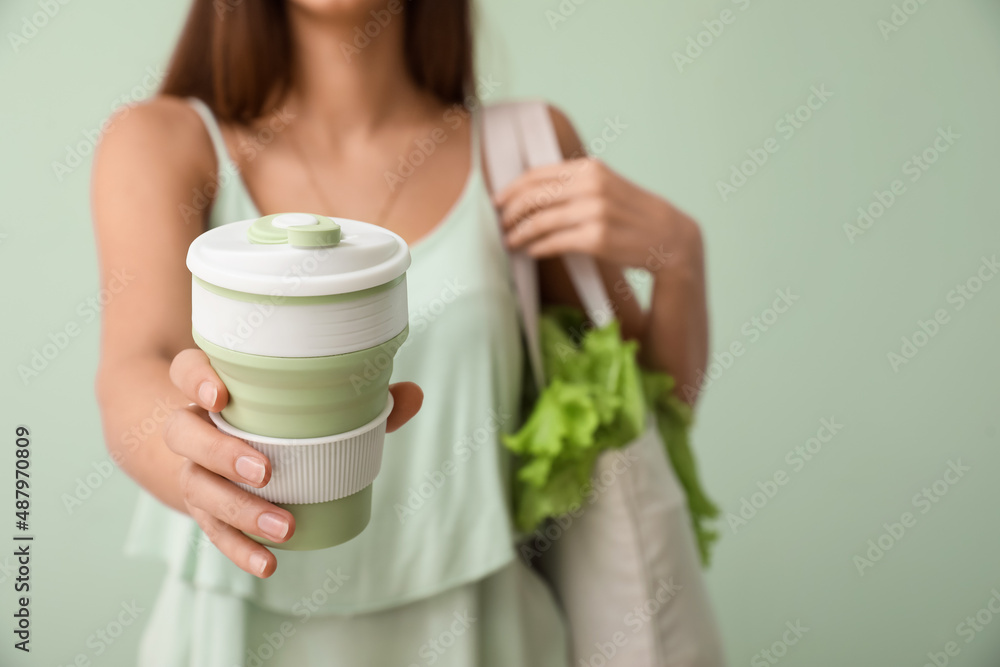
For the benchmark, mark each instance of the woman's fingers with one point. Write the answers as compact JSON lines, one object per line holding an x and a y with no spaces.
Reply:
{"x":191,"y":372}
{"x":234,"y":506}
{"x":554,"y":174}
{"x":554,"y":218}
{"x":194,"y":438}
{"x":590,"y":238}
{"x":530,"y":200}
{"x":225,"y":511}
{"x":583,"y":239}
{"x":407,"y":398}
{"x":546,"y":186}
{"x":234,"y":545}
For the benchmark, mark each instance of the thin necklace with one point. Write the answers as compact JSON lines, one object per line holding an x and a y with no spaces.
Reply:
{"x":386,"y":205}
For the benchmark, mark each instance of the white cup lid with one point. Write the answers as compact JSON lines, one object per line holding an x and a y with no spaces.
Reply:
{"x":298,"y":254}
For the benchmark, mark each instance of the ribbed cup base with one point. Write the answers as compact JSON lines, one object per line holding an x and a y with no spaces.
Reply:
{"x":326,"y":483}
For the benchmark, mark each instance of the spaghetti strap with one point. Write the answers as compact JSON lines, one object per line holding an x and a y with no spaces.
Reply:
{"x":231,"y":199}
{"x":212,"y":126}
{"x":476,"y":148}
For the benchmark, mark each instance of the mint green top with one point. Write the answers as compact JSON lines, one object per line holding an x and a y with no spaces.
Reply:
{"x":440,"y":516}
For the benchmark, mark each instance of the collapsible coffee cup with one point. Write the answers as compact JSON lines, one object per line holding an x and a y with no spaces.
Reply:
{"x":301,"y":316}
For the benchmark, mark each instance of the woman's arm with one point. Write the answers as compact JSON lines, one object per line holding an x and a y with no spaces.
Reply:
{"x":151,"y":172}
{"x":154,"y":159}
{"x":597,"y":212}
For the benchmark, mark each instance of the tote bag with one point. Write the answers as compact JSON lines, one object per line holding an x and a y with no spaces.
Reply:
{"x":625,"y":567}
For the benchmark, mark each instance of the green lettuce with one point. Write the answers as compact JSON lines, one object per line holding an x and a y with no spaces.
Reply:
{"x":674,"y":418}
{"x":597,"y":399}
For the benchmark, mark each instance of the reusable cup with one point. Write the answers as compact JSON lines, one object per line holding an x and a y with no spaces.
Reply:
{"x":301,"y":316}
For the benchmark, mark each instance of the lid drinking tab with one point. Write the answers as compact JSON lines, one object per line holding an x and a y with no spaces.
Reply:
{"x":302,"y":230}
{"x":286,"y":220}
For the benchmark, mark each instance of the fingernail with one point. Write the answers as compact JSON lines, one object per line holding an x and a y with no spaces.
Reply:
{"x":274,"y":525}
{"x":207,"y":393}
{"x":258,"y":562}
{"x":250,"y":469}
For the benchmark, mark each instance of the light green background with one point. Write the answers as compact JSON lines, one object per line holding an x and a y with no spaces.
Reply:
{"x":825,"y":357}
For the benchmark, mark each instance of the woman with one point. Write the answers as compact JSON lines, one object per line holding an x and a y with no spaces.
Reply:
{"x":276,"y":106}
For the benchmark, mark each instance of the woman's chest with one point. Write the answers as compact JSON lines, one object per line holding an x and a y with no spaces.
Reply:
{"x":459,"y":294}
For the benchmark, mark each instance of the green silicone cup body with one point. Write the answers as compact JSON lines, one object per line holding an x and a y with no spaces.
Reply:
{"x":303,"y":397}
{"x":308,"y":397}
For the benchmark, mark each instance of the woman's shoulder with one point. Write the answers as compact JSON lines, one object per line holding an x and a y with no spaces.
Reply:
{"x":164,"y":131}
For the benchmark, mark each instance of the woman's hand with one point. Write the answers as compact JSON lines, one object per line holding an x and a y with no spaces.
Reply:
{"x":214,"y":460}
{"x":583,"y":206}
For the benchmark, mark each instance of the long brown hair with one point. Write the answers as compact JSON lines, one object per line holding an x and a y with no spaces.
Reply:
{"x":219,"y":56}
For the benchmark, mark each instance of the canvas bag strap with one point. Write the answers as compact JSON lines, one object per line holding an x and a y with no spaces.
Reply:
{"x":504,"y":162}
{"x":518,"y":136}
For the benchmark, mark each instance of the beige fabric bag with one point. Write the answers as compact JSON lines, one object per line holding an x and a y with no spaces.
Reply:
{"x":625,"y":567}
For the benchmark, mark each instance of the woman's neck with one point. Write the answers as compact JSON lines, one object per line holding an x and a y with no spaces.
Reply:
{"x":343,"y":87}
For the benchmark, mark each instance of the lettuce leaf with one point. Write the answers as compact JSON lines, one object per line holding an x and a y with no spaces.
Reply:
{"x":674,"y":418}
{"x":597,"y":399}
